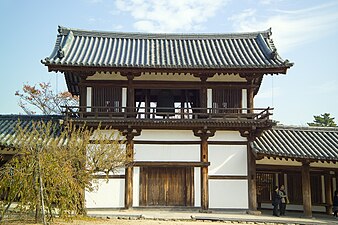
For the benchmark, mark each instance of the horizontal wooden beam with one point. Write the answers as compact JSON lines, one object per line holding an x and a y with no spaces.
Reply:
{"x":227,"y":177}
{"x":170,"y":164}
{"x":110,"y":176}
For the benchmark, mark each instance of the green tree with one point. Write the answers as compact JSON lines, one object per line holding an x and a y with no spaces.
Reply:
{"x":41,"y":97}
{"x":54,"y":165}
{"x":324,"y":120}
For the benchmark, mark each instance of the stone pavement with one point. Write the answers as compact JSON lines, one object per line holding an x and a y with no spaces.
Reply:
{"x":233,"y":216}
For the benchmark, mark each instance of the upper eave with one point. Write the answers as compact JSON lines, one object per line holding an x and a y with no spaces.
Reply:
{"x":111,"y":51}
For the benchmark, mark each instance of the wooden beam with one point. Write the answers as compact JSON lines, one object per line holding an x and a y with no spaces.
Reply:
{"x":226,"y":177}
{"x":170,"y":164}
{"x":102,"y":176}
{"x":306,"y":189}
{"x":243,"y":71}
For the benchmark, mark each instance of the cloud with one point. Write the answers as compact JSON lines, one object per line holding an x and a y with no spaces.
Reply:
{"x":170,"y":16}
{"x":290,"y":28}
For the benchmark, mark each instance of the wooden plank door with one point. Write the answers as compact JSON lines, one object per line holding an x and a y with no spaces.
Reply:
{"x":166,"y":186}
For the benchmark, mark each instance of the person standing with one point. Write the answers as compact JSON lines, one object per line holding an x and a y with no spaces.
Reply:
{"x":275,"y":201}
{"x":283,"y":200}
{"x":335,"y":204}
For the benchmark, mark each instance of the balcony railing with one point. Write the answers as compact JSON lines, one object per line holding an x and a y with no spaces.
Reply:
{"x":156,"y":113}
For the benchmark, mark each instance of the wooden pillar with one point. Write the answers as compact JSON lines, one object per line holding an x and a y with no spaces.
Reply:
{"x":252,"y":189}
{"x":83,"y":96}
{"x":203,"y":93}
{"x":204,"y":174}
{"x":204,"y":134}
{"x":328,"y":193}
{"x":306,"y":188}
{"x":129,"y":170}
{"x":130,"y":95}
{"x":250,"y":95}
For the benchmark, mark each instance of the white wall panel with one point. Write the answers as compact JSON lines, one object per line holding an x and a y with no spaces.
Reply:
{"x":108,"y":195}
{"x":228,"y":194}
{"x":227,"y":136}
{"x":244,"y":100}
{"x":124,"y":97}
{"x":209,"y":98}
{"x":112,"y":134}
{"x":136,"y":187}
{"x":89,"y":99}
{"x":167,"y":135}
{"x":147,"y":152}
{"x":197,"y":186}
{"x":228,"y":160}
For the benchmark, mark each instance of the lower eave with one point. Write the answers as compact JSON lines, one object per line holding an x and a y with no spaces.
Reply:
{"x":177,"y":124}
{"x":298,"y":158}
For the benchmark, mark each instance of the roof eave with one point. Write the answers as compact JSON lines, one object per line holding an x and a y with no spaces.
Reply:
{"x":243,"y":70}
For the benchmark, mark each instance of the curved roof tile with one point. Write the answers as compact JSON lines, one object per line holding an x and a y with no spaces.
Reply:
{"x":299,"y":142}
{"x":75,"y":47}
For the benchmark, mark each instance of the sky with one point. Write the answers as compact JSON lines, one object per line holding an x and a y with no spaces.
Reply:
{"x":304,"y":32}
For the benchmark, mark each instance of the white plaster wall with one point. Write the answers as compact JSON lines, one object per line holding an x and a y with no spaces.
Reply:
{"x":111,"y":134}
{"x":107,"y":76}
{"x":108,"y":195}
{"x":163,"y":152}
{"x":280,"y":162}
{"x":136,"y":187}
{"x":244,"y":100}
{"x":228,"y":160}
{"x":167,"y":76}
{"x":227,"y":136}
{"x":167,"y":135}
{"x":228,"y":194}
{"x":209,"y":98}
{"x":197,"y":186}
{"x":124,"y":97}
{"x":89,"y":99}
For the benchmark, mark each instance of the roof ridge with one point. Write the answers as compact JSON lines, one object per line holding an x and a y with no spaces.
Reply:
{"x":143,"y":35}
{"x":310,"y":128}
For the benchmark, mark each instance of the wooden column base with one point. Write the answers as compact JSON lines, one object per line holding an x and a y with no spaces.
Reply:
{"x":204,"y":189}
{"x":128,"y":195}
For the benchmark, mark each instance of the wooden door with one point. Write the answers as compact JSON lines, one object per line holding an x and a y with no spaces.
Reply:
{"x":166,"y":186}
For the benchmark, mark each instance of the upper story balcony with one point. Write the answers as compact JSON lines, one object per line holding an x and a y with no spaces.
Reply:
{"x":172,"y":118}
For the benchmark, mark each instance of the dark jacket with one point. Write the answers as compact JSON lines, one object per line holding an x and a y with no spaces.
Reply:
{"x":276,"y":199}
{"x":335,"y":201}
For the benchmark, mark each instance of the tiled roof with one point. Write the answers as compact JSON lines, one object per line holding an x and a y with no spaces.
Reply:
{"x":8,"y":125}
{"x":316,"y":143}
{"x":81,"y":48}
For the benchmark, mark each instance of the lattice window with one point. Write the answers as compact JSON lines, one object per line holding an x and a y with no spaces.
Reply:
{"x":265,"y":183}
{"x":226,"y":98}
{"x":107,"y":98}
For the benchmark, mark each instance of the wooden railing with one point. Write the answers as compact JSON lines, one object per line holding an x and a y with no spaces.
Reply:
{"x":153,"y":113}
